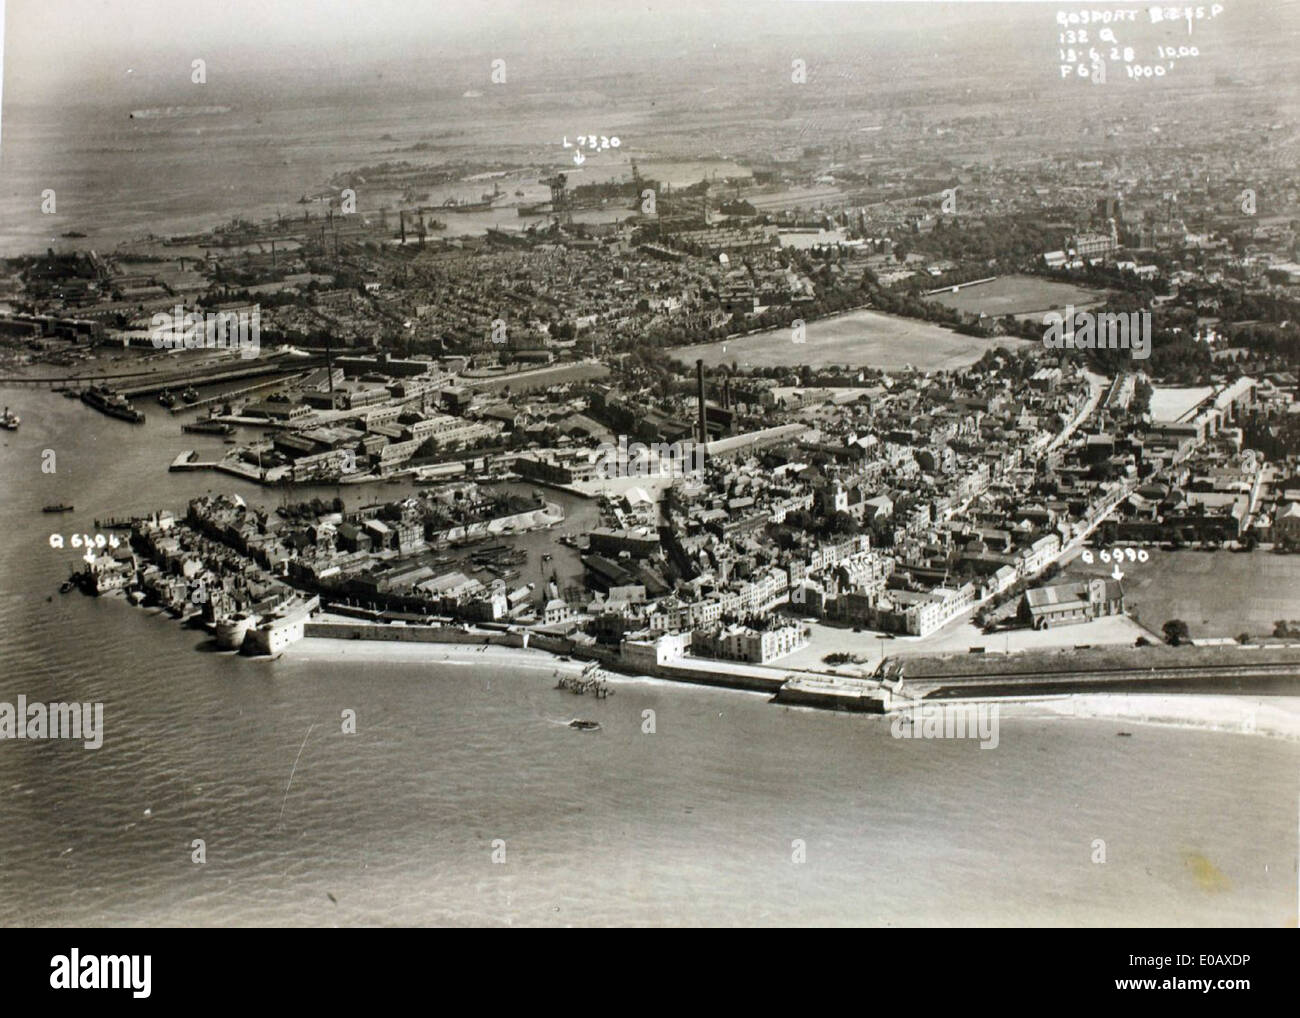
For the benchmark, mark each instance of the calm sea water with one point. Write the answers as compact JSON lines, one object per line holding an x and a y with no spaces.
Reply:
{"x":691,"y":825}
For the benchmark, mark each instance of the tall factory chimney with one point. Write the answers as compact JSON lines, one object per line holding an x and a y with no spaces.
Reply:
{"x":699,"y":387}
{"x":329,"y":367}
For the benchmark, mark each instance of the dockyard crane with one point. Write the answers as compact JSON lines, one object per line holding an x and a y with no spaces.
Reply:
{"x":559,"y":197}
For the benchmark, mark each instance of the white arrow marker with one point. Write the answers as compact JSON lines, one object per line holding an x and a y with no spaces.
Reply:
{"x":1117,"y":575}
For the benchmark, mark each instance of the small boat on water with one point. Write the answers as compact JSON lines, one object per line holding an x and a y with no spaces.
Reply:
{"x":584,"y":726}
{"x":190,"y":395}
{"x":1125,"y":735}
{"x":60,"y":508}
{"x":167,"y":398}
{"x":10,"y":421}
{"x":65,"y":586}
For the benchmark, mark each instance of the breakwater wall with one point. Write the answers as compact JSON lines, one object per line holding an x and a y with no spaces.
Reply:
{"x":856,"y":697}
{"x":1265,"y":680}
{"x":706,"y":677}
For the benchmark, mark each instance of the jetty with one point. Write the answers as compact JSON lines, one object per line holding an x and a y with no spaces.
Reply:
{"x":235,"y":394}
{"x":269,"y":364}
{"x":115,"y":523}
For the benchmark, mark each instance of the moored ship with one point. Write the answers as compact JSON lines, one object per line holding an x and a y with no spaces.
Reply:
{"x":106,"y":401}
{"x":10,"y":421}
{"x":465,"y":205}
{"x":209,"y":427}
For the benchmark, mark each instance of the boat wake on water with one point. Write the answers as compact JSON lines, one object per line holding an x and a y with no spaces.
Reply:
{"x":577,"y":724}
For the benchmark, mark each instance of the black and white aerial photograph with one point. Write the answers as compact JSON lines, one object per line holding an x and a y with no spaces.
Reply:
{"x":673,"y":464}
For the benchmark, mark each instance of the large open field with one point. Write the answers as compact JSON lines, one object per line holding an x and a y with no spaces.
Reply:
{"x":1218,"y":593}
{"x":858,"y":338}
{"x":1018,"y":295}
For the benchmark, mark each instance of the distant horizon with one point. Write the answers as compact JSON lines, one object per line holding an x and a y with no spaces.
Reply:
{"x":128,"y":48}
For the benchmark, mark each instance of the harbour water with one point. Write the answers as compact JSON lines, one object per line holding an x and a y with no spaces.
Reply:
{"x":694,"y":824}
{"x":257,"y":159}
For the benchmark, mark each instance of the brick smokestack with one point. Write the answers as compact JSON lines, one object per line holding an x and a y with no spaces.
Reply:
{"x":699,"y":387}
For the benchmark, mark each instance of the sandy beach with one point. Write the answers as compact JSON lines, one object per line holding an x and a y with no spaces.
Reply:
{"x":317,"y":648}
{"x":1275,"y":717}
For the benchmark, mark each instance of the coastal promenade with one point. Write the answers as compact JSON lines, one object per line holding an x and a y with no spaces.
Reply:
{"x":1198,"y":701}
{"x":1210,"y":671}
{"x":805,"y":689}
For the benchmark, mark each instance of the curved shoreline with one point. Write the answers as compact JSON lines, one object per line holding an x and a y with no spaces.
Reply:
{"x":1268,"y":716}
